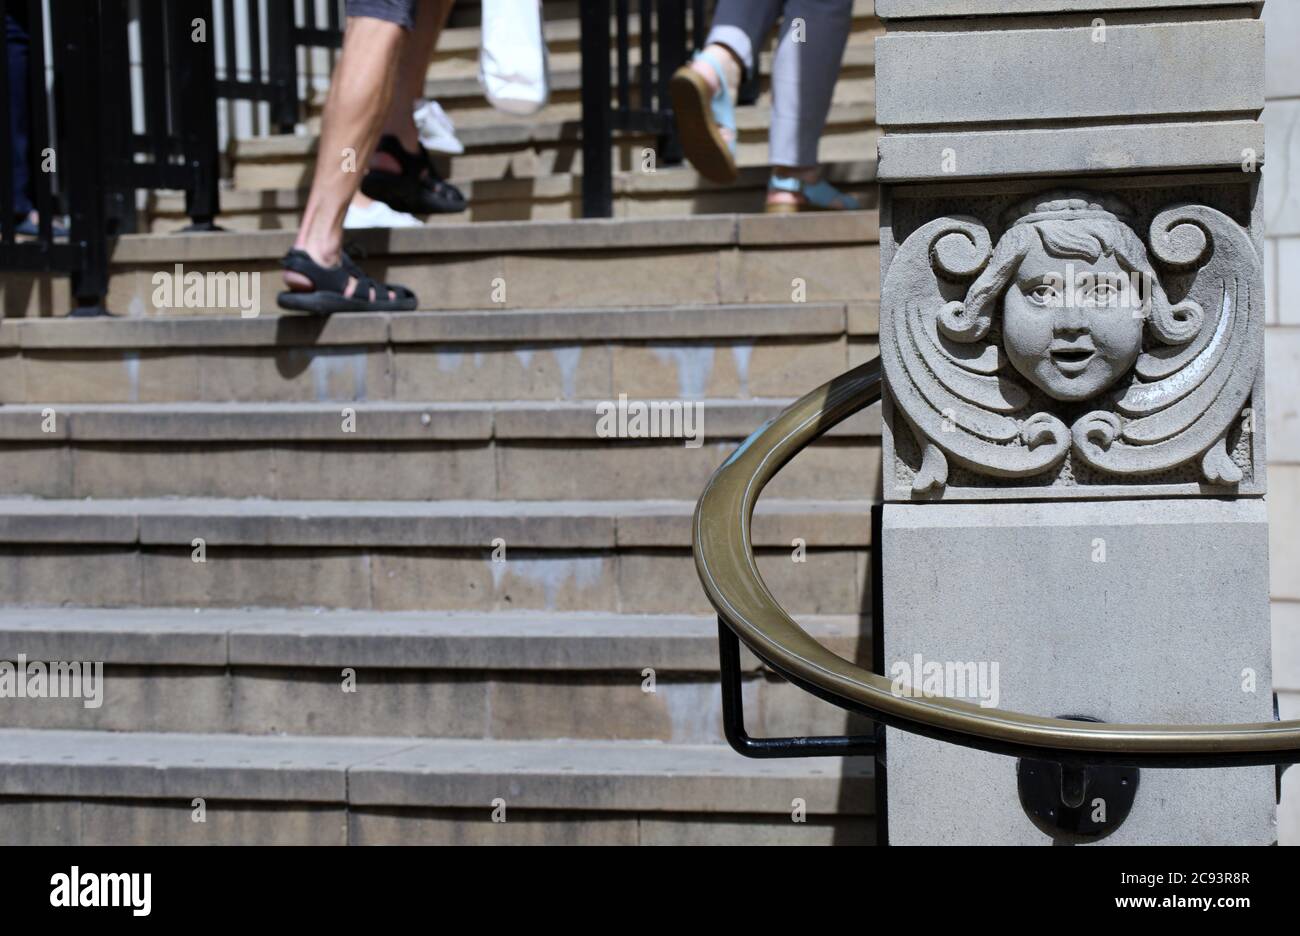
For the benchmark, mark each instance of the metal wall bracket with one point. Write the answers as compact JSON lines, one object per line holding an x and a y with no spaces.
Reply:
{"x":1076,"y":800}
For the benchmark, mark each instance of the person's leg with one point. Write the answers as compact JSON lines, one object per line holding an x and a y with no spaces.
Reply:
{"x":704,"y":92}
{"x":430,"y":19}
{"x":804,"y":70}
{"x":401,"y":173}
{"x":360,"y":92}
{"x":736,"y":38}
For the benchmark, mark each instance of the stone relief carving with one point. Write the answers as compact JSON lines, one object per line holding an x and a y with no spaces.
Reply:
{"x":1060,"y":344}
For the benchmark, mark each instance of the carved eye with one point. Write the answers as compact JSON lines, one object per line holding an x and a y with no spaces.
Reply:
{"x":1103,"y":294}
{"x":1044,"y":294}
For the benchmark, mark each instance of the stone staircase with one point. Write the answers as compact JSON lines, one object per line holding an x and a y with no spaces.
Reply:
{"x":376,"y":578}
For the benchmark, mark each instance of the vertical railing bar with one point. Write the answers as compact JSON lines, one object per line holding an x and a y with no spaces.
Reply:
{"x":116,"y":125}
{"x":673,"y":52}
{"x":624,"y":62}
{"x":228,"y":51}
{"x":670,"y":33}
{"x":646,"y":34}
{"x":597,"y":168}
{"x":282,"y":64}
{"x":7,"y":193}
{"x":254,"y":15}
{"x":155,"y":78}
{"x":38,"y":130}
{"x":79,"y":71}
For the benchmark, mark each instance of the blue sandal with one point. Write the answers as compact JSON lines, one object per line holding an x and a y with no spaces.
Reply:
{"x":702,"y":116}
{"x":817,"y":196}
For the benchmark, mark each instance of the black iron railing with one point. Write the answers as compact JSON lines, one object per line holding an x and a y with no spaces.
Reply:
{"x":174,"y":143}
{"x":273,"y":77}
{"x":111,"y":135}
{"x":642,"y":104}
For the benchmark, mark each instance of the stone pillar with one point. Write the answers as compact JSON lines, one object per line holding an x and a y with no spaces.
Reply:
{"x":1072,"y":319}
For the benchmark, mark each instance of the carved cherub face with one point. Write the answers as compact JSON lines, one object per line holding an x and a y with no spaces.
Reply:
{"x":1069,"y":324}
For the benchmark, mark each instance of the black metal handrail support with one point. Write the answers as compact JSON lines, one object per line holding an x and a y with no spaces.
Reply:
{"x":664,"y":44}
{"x":68,"y":170}
{"x":93,"y":153}
{"x":733,"y":717}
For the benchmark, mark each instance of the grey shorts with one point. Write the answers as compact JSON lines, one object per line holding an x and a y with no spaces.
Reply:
{"x":401,"y":12}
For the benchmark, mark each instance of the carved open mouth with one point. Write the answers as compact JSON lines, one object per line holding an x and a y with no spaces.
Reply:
{"x":1072,"y":360}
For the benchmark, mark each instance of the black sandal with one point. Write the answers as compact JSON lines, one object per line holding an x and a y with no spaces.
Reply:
{"x":417,"y":189}
{"x":331,"y":283}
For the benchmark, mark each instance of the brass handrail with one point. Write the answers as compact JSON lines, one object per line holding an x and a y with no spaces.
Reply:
{"x":724,"y":559}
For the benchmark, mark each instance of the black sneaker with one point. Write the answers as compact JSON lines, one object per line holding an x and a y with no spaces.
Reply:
{"x":417,"y":189}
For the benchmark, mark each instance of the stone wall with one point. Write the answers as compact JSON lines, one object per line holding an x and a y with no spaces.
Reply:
{"x":1108,"y":133}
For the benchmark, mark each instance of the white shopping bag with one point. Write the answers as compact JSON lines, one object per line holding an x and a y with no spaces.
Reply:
{"x":512,"y":59}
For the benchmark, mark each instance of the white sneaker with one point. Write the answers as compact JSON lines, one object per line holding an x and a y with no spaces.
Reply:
{"x":437,"y":132}
{"x":378,"y":215}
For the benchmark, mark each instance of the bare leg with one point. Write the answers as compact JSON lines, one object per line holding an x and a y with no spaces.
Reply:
{"x":359,"y":97}
{"x":430,"y":18}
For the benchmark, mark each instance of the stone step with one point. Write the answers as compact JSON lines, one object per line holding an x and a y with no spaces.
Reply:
{"x":717,"y":352}
{"x":487,"y":556}
{"x":75,"y":787}
{"x":650,"y":580}
{"x":550,"y":143}
{"x":470,"y":524}
{"x":627,"y":556}
{"x":454,"y":82}
{"x":596,"y":263}
{"x":403,"y":452}
{"x":668,"y":191}
{"x":523,"y":676}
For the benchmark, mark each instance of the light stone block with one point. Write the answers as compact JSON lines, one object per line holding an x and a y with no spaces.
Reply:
{"x":1281,"y":194}
{"x":1286,"y":645}
{"x":1282,"y":53}
{"x":758,"y":830}
{"x":1270,"y":279}
{"x":1284,"y":532}
{"x":1065,"y":150}
{"x":1288,"y":280}
{"x":1281,"y":373}
{"x":928,"y":78}
{"x":1161,"y":632}
{"x":163,"y":822}
{"x":379,"y":826}
{"x":828,"y":581}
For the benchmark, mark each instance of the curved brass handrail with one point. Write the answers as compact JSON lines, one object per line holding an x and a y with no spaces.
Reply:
{"x":724,"y":559}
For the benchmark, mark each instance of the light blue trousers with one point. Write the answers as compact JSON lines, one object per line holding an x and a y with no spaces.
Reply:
{"x":807,"y":63}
